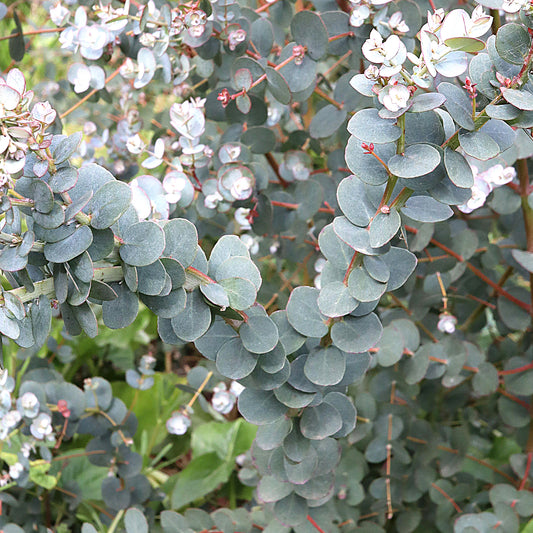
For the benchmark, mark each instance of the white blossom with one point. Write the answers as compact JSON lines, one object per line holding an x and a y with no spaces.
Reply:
{"x":28,"y":405}
{"x":447,"y":323}
{"x":252,"y":243}
{"x":59,"y":14}
{"x":178,"y":423}
{"x":396,"y":23}
{"x":359,"y":16}
{"x":458,"y":23}
{"x":135,"y":144}
{"x":212,"y":200}
{"x":242,"y":188}
{"x":15,"y":470}
{"x":241,"y":217}
{"x":379,"y":51}
{"x":174,"y":183}
{"x":41,"y":427}
{"x":395,"y":97}
{"x":320,"y":263}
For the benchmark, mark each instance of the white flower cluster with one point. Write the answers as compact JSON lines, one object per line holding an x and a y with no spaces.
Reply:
{"x":25,"y":409}
{"x":447,"y":323}
{"x":484,"y":183}
{"x":188,"y":119}
{"x":393,"y":83}
{"x":364,"y":9}
{"x":223,"y":398}
{"x":514,"y":6}
{"x":21,"y":129}
{"x":142,"y":377}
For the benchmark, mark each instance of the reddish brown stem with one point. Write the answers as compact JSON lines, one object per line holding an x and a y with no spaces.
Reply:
{"x":447,"y":496}
{"x":33,"y":32}
{"x":89,"y":94}
{"x":512,"y":397}
{"x":315,"y":525}
{"x":328,"y":98}
{"x":477,"y":272}
{"x":275,"y":167}
{"x":518,"y":370}
{"x":526,"y":473}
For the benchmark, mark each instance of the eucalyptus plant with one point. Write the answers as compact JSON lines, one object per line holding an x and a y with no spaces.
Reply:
{"x":330,"y":202}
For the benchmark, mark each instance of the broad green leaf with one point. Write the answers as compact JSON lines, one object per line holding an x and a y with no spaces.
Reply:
{"x":417,"y":160}
{"x":69,"y":248}
{"x":357,"y":334}
{"x":144,"y":243}
{"x":304,"y":314}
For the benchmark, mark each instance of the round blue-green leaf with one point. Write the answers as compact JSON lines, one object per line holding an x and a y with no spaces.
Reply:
{"x":335,"y":300}
{"x":144,"y":243}
{"x":239,"y":267}
{"x":121,"y":311}
{"x":369,"y":127}
{"x":521,"y":99}
{"x":289,"y":338}
{"x":524,"y":259}
{"x":259,"y":139}
{"x":241,"y":292}
{"x":277,"y":85}
{"x":64,"y":179}
{"x":271,"y":489}
{"x":69,"y":248}
{"x":304,"y":314}
{"x":135,"y":521}
{"x":320,"y":422}
{"x":42,"y":196}
{"x":334,"y":249}
{"x":227,"y":246}
{"x":194,"y":320}
{"x":167,"y":306}
{"x":479,"y":145}
{"x":486,"y":379}
{"x":365,"y":166}
{"x":513,"y":43}
{"x":417,"y":160}
{"x":151,"y":278}
{"x":108,"y":203}
{"x":356,"y":237}
{"x":353,"y":201}
{"x":234,"y":361}
{"x":8,"y":326}
{"x":458,"y":104}
{"x":216,"y":336}
{"x":383,"y":228}
{"x":259,"y":334}
{"x":459,"y":171}
{"x":327,"y":121}
{"x":470,"y":45}
{"x":262,"y":35}
{"x":216,"y":294}
{"x":357,"y":334}
{"x":291,"y":510}
{"x":243,"y":103}
{"x":364,"y":287}
{"x":260,"y":407}
{"x":347,"y":410}
{"x":181,"y":241}
{"x":426,"y":102}
{"x":270,"y":436}
{"x":401,"y":264}
{"x":325,"y":366}
{"x":299,"y":77}
{"x":308,"y":30}
{"x":426,"y":209}
{"x":377,"y":268}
